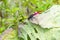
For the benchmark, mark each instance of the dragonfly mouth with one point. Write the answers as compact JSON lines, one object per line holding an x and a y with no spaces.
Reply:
{"x":33,"y":15}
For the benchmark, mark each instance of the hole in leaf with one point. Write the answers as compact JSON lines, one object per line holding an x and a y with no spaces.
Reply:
{"x":36,"y":7}
{"x":32,"y":34}
{"x":21,"y":38}
{"x":37,"y":38}
{"x":28,"y":37}
{"x":35,"y":30}
{"x":53,"y":38}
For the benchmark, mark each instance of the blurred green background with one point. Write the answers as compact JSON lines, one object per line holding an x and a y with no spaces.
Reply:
{"x":14,"y":12}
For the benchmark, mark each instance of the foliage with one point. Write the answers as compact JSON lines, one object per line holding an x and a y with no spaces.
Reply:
{"x":11,"y":35}
{"x":13,"y":12}
{"x":35,"y":32}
